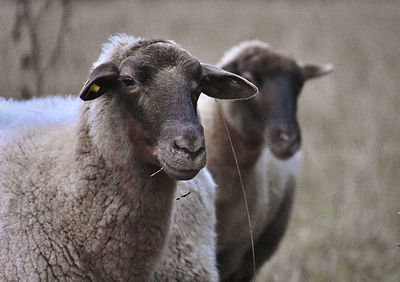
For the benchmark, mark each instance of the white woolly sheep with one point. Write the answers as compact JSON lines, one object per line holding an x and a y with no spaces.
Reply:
{"x":79,"y":197}
{"x":266,"y":136}
{"x":16,"y":115}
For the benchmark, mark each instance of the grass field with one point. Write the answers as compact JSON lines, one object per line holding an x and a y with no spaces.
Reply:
{"x":346,"y":222}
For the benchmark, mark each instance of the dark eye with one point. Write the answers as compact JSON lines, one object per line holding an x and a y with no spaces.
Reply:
{"x":128,"y":81}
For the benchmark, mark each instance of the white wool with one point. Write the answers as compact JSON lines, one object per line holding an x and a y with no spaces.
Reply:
{"x":232,"y":53}
{"x":204,"y":180}
{"x":292,"y":165}
{"x":116,"y":49}
{"x":18,"y":115}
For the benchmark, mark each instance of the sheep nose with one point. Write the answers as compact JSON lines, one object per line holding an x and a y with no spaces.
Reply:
{"x":190,"y":147}
{"x":190,"y":141}
{"x":286,"y":136}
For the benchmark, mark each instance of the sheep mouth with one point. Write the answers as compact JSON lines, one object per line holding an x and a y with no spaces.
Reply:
{"x":285,"y":152}
{"x":178,"y":173}
{"x":181,"y":165}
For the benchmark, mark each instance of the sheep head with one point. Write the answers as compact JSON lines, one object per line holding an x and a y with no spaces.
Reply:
{"x":280,"y":80}
{"x":156,"y":88}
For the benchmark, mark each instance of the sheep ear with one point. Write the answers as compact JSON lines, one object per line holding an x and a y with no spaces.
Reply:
{"x":222,"y":84}
{"x":101,"y":79}
{"x":313,"y":71}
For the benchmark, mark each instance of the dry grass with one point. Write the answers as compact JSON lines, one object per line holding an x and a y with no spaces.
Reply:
{"x":345,"y":224}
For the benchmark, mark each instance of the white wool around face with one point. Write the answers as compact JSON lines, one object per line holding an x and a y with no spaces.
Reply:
{"x":117,"y":48}
{"x":232,"y":53}
{"x":17,"y":115}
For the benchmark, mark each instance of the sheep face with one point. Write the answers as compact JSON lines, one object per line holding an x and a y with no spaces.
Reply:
{"x":275,"y":109}
{"x":157,"y":88}
{"x":280,"y":80}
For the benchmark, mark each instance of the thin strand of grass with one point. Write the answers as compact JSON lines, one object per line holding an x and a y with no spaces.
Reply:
{"x":158,"y":171}
{"x":243,"y":191}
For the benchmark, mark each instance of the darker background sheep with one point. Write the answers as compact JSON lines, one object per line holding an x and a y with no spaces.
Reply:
{"x":345,"y":224}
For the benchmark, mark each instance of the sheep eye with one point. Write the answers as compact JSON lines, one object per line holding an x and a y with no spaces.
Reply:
{"x":128,"y":81}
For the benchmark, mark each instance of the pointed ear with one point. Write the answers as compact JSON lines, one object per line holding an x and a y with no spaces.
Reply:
{"x":222,"y":84}
{"x":101,"y":79}
{"x":313,"y":71}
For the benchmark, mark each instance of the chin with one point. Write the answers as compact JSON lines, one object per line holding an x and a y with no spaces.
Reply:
{"x":283,"y":154}
{"x":179,"y":174}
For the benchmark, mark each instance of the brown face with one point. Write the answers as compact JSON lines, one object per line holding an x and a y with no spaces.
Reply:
{"x":279,"y":99}
{"x":279,"y":80}
{"x":161,"y":122}
{"x":157,"y":88}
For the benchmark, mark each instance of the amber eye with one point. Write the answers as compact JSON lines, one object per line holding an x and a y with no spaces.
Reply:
{"x":128,"y":81}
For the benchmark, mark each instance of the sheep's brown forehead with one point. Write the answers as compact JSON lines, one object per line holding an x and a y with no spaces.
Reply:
{"x":267,"y":61}
{"x":163,"y":55}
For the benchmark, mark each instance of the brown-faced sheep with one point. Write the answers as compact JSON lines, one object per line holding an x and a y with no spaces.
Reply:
{"x":79,"y":198}
{"x":266,"y":136}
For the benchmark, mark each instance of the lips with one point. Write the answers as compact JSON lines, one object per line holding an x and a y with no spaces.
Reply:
{"x":180,"y":164}
{"x":179,"y":174}
{"x":285,"y":152}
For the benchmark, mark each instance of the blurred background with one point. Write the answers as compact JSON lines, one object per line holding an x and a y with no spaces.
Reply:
{"x":345,"y":224}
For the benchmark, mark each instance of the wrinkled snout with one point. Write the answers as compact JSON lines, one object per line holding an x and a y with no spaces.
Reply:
{"x":284,"y":139}
{"x":182,"y":150}
{"x":190,"y":144}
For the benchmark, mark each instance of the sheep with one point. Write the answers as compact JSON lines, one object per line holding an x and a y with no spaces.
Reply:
{"x":92,"y":198}
{"x":14,"y":115}
{"x":266,"y":137}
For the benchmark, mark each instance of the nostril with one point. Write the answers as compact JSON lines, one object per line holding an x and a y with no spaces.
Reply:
{"x":198,"y":152}
{"x":188,"y":149}
{"x":180,"y":144}
{"x":286,"y":136}
{"x":180,"y":148}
